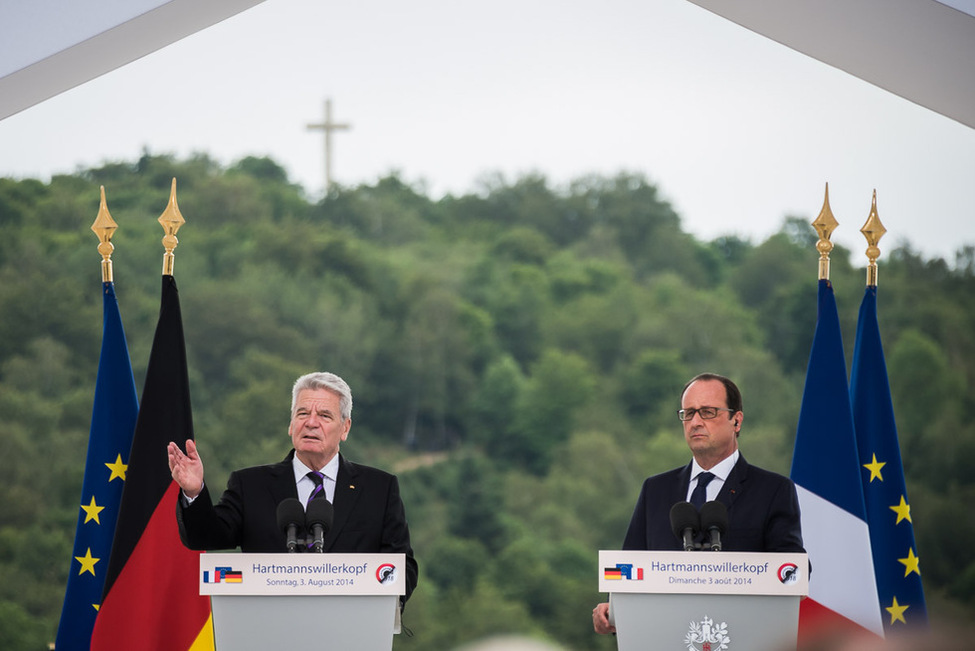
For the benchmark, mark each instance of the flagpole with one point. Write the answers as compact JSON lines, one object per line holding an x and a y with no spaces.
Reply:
{"x":825,"y":224}
{"x":151,"y":598}
{"x":171,"y":220}
{"x":104,"y":227}
{"x":895,"y":554}
{"x":873,"y":230}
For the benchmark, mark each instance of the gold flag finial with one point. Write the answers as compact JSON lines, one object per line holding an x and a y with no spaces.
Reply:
{"x":825,"y":224}
{"x":873,"y":230}
{"x":104,"y":227}
{"x":171,"y":220}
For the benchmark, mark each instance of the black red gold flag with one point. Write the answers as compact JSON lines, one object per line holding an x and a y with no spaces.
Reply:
{"x":151,"y":599}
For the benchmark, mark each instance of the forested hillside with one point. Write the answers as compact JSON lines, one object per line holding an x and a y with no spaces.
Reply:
{"x":515,"y":355}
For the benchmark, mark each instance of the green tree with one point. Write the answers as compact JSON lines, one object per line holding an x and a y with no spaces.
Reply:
{"x":922,"y":388}
{"x":560,"y":385}
{"x":473,"y":511}
{"x":520,"y":327}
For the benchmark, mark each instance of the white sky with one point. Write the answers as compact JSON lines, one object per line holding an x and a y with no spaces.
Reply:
{"x":736,"y":131}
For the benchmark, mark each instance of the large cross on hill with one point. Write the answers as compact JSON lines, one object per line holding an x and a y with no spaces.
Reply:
{"x":328,"y":126}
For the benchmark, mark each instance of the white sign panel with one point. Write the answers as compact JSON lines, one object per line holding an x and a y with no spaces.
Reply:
{"x":302,"y":574}
{"x":704,"y":573}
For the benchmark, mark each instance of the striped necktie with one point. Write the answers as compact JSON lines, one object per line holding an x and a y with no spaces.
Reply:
{"x":319,"y":490}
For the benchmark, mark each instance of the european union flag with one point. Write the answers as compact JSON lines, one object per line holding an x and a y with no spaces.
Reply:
{"x":113,"y":419}
{"x":895,"y":557}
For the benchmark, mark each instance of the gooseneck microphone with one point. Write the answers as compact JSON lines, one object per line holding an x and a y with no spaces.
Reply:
{"x":318,"y":520}
{"x":291,"y":516}
{"x":714,"y":522}
{"x":685,"y":522}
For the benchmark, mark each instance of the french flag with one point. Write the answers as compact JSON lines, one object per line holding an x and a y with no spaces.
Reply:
{"x":826,"y":470}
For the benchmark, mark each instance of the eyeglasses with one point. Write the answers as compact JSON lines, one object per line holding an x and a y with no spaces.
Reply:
{"x":707,"y":413}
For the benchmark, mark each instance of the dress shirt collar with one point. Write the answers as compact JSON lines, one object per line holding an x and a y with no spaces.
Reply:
{"x":331,"y":469}
{"x":720,"y":471}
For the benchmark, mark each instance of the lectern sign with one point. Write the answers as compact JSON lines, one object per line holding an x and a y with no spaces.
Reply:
{"x":289,"y":601}
{"x":302,"y":574}
{"x":704,"y":601}
{"x":703,"y":573}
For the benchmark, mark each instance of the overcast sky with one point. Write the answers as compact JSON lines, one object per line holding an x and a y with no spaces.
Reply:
{"x":736,"y":131}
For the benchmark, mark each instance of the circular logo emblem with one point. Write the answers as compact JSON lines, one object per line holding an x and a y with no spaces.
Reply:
{"x":788,"y":573}
{"x":386,"y":573}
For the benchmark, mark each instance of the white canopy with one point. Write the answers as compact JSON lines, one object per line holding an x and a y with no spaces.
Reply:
{"x":50,"y":46}
{"x":921,"y":50}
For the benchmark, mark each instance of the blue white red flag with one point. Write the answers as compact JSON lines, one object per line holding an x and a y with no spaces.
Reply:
{"x":826,"y":470}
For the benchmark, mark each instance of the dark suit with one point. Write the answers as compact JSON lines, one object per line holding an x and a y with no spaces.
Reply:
{"x":369,"y":514}
{"x":763,"y":511}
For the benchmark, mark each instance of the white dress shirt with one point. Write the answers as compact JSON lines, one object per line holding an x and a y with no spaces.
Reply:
{"x":720,"y":472}
{"x":305,"y":483}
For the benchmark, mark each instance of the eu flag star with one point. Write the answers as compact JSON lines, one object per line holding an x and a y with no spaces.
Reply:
{"x":896,"y":612}
{"x":903,"y":511}
{"x":911,"y":563}
{"x":92,"y":511}
{"x":874,"y":468}
{"x":118,"y":468}
{"x":87,"y":563}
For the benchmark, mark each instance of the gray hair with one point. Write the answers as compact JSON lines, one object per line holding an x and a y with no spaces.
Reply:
{"x":323,"y":380}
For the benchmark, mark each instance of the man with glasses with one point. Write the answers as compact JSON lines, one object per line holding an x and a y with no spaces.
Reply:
{"x":763,"y":509}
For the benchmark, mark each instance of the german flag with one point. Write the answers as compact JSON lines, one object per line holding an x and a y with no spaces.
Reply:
{"x":233,"y":577}
{"x":151,"y":599}
{"x":225,"y":575}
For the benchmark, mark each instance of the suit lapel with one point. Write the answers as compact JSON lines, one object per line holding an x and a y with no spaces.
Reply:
{"x":346,"y":495}
{"x":282,"y":480}
{"x":734,"y":485}
{"x":684,"y":481}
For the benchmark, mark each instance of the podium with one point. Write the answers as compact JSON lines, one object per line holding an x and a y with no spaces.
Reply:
{"x":704,"y":601}
{"x":267,"y":601}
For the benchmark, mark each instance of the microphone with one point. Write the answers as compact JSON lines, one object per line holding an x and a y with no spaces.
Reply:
{"x":685,"y":523}
{"x":714,"y":521}
{"x":290,"y":515}
{"x":318,"y":520}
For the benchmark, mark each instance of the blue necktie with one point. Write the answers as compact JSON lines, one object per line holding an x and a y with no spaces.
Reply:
{"x":700,"y":494}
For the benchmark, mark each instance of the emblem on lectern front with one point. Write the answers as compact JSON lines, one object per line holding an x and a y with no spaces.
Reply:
{"x":707,"y":636}
{"x":386,"y":573}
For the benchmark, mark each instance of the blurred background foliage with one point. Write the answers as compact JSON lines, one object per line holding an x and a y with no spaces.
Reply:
{"x":515,"y":355}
